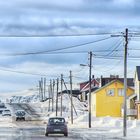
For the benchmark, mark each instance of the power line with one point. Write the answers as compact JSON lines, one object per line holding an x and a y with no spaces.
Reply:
{"x":117,"y":57}
{"x":26,"y":73}
{"x":116,"y":47}
{"x":57,"y":35}
{"x":59,"y":49}
{"x":111,"y":68}
{"x":68,"y":52}
{"x":133,"y":49}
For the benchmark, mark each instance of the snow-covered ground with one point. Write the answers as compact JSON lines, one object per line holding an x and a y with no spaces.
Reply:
{"x":105,"y":128}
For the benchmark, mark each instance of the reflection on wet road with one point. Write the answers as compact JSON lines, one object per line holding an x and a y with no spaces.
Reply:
{"x":31,"y":134}
{"x":27,"y":130}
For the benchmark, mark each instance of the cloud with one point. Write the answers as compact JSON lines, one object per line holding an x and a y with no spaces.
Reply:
{"x":55,"y":17}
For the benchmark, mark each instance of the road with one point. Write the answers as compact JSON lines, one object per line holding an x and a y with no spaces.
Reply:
{"x":28,"y":130}
{"x":31,"y":134}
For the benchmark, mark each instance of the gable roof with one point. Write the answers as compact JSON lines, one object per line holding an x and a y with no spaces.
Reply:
{"x":92,"y":79}
{"x":116,"y":80}
{"x":138,"y":72}
{"x":84,"y":86}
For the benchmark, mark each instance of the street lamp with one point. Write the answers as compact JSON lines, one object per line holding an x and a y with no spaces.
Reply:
{"x":89,"y":99}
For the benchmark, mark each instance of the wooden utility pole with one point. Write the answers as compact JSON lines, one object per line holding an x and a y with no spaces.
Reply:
{"x":61,"y":94}
{"x":50,"y":95}
{"x":89,"y":105}
{"x":125,"y":85}
{"x":53,"y":95}
{"x":125,"y":35}
{"x":49,"y":92}
{"x":71,"y":97}
{"x":57,"y":96}
{"x":39,"y":90}
{"x":44,"y":88}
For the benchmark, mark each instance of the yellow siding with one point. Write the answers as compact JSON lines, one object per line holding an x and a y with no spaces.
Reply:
{"x":93,"y":104}
{"x":109,"y":105}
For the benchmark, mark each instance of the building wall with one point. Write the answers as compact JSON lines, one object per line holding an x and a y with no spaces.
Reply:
{"x":93,"y":104}
{"x":138,"y":111}
{"x":107,"y":105}
{"x":137,"y":87}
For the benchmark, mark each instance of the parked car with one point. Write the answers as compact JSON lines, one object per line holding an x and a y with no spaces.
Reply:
{"x":6,"y":112}
{"x":2,"y":107}
{"x":20,"y":115}
{"x":56,"y":125}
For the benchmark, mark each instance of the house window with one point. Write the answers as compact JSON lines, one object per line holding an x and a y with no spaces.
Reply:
{"x":120,"y":92}
{"x":110,"y":92}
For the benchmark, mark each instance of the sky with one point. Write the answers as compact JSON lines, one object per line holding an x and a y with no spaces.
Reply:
{"x":29,"y":26}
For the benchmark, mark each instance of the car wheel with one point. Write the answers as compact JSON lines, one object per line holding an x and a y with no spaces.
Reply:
{"x":46,"y":134}
{"x":65,"y":134}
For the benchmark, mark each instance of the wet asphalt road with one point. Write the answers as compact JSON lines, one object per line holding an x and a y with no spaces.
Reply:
{"x":31,"y":134}
{"x":30,"y":130}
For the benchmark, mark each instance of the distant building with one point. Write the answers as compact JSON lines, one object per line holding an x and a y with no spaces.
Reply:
{"x":84,"y":88}
{"x":75,"y":93}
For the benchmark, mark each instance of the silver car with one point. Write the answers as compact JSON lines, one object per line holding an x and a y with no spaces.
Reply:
{"x":6,"y":112}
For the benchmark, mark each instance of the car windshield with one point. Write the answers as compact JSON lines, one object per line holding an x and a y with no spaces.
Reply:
{"x":20,"y":113}
{"x":56,"y":120}
{"x":6,"y":111}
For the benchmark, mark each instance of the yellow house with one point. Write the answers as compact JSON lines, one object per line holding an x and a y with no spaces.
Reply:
{"x":108,"y":100}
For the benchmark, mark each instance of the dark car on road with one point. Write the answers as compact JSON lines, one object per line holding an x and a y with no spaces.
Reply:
{"x":20,"y":115}
{"x":57,"y":125}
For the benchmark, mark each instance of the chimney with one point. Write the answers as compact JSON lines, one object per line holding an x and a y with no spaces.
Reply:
{"x":100,"y":84}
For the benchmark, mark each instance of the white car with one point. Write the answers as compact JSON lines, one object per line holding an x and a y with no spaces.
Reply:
{"x":6,"y":112}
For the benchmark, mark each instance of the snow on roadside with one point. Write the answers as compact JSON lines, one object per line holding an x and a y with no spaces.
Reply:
{"x":105,"y":128}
